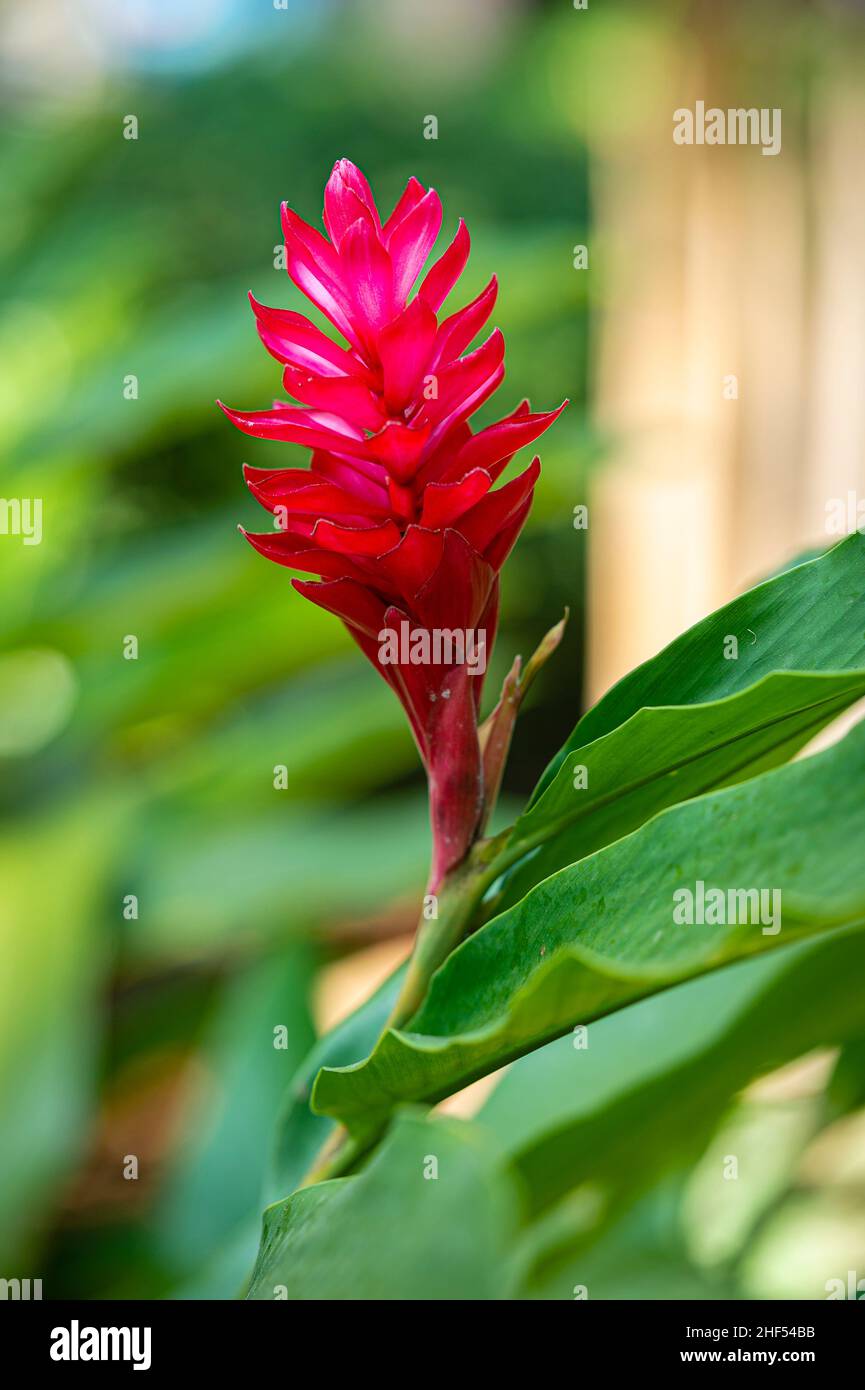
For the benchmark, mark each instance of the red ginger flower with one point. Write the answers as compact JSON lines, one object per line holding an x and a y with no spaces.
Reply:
{"x":395,"y":516}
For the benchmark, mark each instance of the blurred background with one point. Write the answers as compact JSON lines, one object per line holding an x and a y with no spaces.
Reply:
{"x":164,"y":904}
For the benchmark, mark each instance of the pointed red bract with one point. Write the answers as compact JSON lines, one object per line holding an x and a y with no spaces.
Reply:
{"x":397,"y":517}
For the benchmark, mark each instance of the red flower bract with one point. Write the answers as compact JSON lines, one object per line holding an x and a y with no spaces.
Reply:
{"x":395,"y":517}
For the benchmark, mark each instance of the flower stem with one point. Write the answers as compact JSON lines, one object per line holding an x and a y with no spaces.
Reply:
{"x":457,"y":899}
{"x":437,"y":936}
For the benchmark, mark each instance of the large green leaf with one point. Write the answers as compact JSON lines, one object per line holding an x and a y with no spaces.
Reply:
{"x":646,"y":1091}
{"x":691,"y":719}
{"x":642,"y":1099}
{"x":442,"y":1181}
{"x":601,"y":933}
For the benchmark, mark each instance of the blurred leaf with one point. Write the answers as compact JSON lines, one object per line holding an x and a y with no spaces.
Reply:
{"x":253,"y":880}
{"x":300,"y":1132}
{"x":602,"y":934}
{"x":723,"y":1205}
{"x":846,"y":1090}
{"x":54,"y":957}
{"x":216,"y":1188}
{"x":431,"y":1217}
{"x":642,"y":1257}
{"x":809,"y":1249}
{"x":646,"y":1091}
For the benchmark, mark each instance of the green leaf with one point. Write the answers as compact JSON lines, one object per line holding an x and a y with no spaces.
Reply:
{"x":441,"y":1180}
{"x":215,"y":1186}
{"x":807,"y":618}
{"x":690,"y":720}
{"x":641,"y":1257}
{"x":601,"y":933}
{"x":654,"y":1079}
{"x":662,"y":756}
{"x":300,"y":1132}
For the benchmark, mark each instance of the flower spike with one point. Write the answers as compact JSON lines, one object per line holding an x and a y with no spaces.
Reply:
{"x":397,"y":521}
